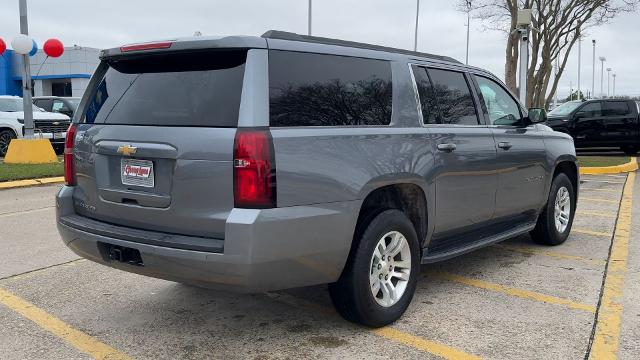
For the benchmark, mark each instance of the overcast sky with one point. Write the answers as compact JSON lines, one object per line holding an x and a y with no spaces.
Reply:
{"x":110,"y":23}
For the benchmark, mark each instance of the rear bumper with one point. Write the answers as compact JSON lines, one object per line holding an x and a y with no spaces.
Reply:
{"x":263,"y":250}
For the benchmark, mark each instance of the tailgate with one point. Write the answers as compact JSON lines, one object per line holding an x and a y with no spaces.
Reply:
{"x":154,"y":144}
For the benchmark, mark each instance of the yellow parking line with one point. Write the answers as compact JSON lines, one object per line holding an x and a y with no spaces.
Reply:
{"x":609,"y":317}
{"x":598,"y":200}
{"x":386,"y":332}
{"x":534,"y":251}
{"x":590,"y":232}
{"x":594,"y":189}
{"x":602,"y":181}
{"x":598,"y":214}
{"x":57,"y":327}
{"x":525,"y":294}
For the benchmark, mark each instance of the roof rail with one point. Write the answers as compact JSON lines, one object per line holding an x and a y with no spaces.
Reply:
{"x":285,"y":35}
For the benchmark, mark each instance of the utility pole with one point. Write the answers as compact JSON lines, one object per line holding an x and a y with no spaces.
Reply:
{"x":415,"y":37}
{"x":468,"y":29}
{"x":556,"y":76}
{"x":570,"y":90}
{"x":26,"y":76}
{"x":608,"y":81}
{"x":309,"y":19}
{"x":602,"y":60}
{"x":614,"y":86}
{"x":593,"y":70}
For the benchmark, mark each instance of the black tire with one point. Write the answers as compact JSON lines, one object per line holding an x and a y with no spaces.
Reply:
{"x":630,"y":149}
{"x":546,"y":232}
{"x":5,"y":138}
{"x":351,"y":294}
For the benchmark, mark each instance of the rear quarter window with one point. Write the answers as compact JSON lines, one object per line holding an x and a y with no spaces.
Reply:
{"x":308,"y":89}
{"x":179,"y":89}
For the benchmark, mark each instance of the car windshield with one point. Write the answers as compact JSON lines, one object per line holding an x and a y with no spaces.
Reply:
{"x":14,"y":105}
{"x":565,"y":109}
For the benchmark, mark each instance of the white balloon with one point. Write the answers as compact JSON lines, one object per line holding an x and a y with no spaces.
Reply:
{"x":22,"y":44}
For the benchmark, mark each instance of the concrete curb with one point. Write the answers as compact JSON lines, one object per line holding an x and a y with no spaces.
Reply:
{"x":31,"y":182}
{"x":632,"y":165}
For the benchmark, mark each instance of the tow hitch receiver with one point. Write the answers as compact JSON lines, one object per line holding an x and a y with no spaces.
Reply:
{"x":123,"y":254}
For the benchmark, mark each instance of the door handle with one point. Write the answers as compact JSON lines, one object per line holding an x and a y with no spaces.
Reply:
{"x":448,"y":147}
{"x":504,"y":145}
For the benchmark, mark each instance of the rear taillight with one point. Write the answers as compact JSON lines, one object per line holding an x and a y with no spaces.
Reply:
{"x":69,"y":175}
{"x":254,"y":169}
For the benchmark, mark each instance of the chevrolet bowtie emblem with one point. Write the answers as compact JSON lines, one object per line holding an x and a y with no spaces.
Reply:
{"x":127,"y":150}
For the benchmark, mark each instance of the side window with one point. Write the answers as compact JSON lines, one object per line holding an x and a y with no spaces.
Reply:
{"x":502,"y":108}
{"x":57,"y":105}
{"x":454,"y":97}
{"x":616,"y":108}
{"x":326,"y":90}
{"x":590,"y":110}
{"x":44,"y":104}
{"x":426,"y":94}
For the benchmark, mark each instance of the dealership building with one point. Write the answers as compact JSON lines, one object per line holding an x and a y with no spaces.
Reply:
{"x":67,"y":75}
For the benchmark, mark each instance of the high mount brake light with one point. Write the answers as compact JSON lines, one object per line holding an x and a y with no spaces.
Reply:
{"x":69,"y":171}
{"x":146,"y":46}
{"x":254,"y":169}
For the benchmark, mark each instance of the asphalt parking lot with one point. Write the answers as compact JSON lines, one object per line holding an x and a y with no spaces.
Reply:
{"x":512,"y":300}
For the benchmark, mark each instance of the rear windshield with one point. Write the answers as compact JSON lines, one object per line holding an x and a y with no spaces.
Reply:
{"x":180,"y":89}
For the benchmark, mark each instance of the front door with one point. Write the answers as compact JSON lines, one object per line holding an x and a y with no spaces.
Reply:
{"x":465,"y":155}
{"x":521,"y":156}
{"x":588,"y":124}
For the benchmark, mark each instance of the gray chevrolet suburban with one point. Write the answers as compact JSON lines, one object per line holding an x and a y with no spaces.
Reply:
{"x":280,"y":161}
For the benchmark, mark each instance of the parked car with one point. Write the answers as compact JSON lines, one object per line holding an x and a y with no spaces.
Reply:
{"x":49,"y":125}
{"x":58,"y":104}
{"x":263,"y":163}
{"x":600,"y":123}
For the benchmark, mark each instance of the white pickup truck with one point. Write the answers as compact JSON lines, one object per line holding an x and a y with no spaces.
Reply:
{"x":48,"y":125}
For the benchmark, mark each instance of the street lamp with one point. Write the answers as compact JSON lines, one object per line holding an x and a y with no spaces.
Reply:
{"x":415,"y":37}
{"x":602,"y":60}
{"x":309,"y":19}
{"x":608,"y":81}
{"x":593,"y":70}
{"x":614,"y":86}
{"x":579,"y":62}
{"x":468,"y":29}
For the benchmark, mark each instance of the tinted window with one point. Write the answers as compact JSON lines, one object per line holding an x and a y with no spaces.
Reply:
{"x":182,"y":89}
{"x":454,"y":97}
{"x":616,"y":108}
{"x":502,"y":108}
{"x":593,"y":109}
{"x":326,"y":90}
{"x":44,"y":104}
{"x":426,"y":94}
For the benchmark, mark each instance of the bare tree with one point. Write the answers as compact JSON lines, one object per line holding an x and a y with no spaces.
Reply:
{"x":558,"y":25}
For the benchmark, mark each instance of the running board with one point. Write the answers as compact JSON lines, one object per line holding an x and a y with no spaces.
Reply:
{"x":428,"y":258}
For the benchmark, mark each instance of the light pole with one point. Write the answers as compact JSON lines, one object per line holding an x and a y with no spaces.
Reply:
{"x":614,"y":86}
{"x":608,"y":81}
{"x":579,"y":62}
{"x":468,"y":29}
{"x":415,"y":37}
{"x":523,"y":23}
{"x":602,"y":60}
{"x":309,"y":19}
{"x":593,"y":70}
{"x":26,"y":76}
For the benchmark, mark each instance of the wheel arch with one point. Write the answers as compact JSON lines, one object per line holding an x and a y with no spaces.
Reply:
{"x":569,"y":167}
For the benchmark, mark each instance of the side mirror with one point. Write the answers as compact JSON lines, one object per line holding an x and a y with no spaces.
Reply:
{"x":536,"y":115}
{"x":580,"y":114}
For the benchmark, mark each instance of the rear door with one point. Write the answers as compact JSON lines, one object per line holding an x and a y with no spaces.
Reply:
{"x":521,"y":158}
{"x":620,"y":123}
{"x":465,"y":155}
{"x":155,"y":144}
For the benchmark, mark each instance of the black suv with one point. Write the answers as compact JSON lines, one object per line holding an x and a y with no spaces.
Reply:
{"x":599,"y":123}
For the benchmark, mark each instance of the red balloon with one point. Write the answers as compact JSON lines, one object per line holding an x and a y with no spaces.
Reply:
{"x":3,"y":46}
{"x":53,"y":48}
